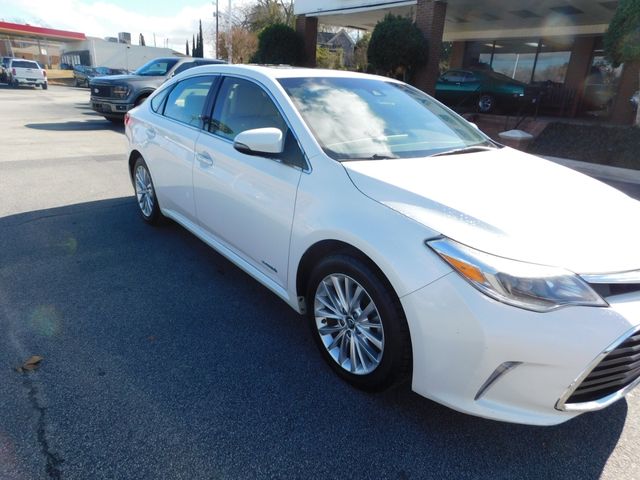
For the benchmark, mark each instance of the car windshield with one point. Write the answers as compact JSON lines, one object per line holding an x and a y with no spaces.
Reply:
{"x":361,"y":118}
{"x":156,"y":68}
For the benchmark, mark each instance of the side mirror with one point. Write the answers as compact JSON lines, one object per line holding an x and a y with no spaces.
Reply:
{"x":474,"y":125}
{"x":260,"y":141}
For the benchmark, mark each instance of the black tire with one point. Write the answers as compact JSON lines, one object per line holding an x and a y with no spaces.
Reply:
{"x":45,"y":86}
{"x":486,"y":103}
{"x":395,"y":364}
{"x":154,"y":216}
{"x":140,"y":100}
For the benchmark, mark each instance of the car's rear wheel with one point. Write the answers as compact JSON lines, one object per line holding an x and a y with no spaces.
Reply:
{"x":45,"y":86}
{"x":358,"y":323}
{"x":486,"y":103}
{"x":145,"y":193}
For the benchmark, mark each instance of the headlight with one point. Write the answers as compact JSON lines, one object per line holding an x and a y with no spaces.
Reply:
{"x":525,"y":285}
{"x":120,"y":91}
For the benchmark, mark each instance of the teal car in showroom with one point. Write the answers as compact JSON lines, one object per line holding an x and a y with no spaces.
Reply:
{"x":484,"y":90}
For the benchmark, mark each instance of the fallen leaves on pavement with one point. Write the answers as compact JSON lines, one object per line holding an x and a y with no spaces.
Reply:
{"x":32,"y":363}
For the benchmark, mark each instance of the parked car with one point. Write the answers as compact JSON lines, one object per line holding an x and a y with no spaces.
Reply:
{"x":4,"y":69}
{"x":26,"y":72}
{"x":415,"y":246}
{"x":485,"y":90}
{"x":82,"y":74}
{"x":114,"y":96}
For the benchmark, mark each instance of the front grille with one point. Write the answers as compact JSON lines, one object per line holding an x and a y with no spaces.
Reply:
{"x":619,"y":369}
{"x":100,"y":90}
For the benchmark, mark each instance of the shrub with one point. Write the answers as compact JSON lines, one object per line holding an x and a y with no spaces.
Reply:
{"x":397,"y":46}
{"x":279,"y":44}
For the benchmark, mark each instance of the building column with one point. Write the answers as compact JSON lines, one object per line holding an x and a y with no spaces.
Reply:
{"x":578,"y":69}
{"x":457,"y":54}
{"x":430,"y":17}
{"x":623,"y":110}
{"x":307,"y":27}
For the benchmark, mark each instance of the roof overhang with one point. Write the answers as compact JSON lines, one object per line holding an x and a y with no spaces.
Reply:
{"x":468,"y":20}
{"x":39,"y":32}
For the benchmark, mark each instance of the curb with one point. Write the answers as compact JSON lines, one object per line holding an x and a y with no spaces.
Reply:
{"x":607,"y":172}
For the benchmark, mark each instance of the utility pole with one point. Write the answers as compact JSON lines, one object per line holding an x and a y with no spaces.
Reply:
{"x":216,"y":15}
{"x":229,"y":37}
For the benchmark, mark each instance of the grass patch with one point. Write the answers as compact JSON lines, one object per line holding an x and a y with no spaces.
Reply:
{"x":617,"y":146}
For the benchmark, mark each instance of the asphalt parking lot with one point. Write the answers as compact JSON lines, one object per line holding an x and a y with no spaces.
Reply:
{"x":163,"y":360}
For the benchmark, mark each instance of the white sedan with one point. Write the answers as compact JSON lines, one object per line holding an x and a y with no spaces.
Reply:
{"x":501,"y":284}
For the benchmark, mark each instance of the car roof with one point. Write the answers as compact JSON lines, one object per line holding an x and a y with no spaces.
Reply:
{"x":275,"y":72}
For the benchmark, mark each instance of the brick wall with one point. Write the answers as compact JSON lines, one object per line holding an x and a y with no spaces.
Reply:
{"x":308,"y":28}
{"x":430,"y":17}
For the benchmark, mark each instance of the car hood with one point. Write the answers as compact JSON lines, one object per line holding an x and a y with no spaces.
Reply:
{"x":112,"y":79}
{"x":513,"y":205}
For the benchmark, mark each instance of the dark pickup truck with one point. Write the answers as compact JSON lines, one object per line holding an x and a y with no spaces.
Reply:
{"x":114,"y":96}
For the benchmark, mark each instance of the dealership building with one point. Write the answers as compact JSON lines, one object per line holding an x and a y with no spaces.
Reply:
{"x":53,"y":47}
{"x":556,"y":43}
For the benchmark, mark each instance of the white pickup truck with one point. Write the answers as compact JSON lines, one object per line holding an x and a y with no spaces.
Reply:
{"x":26,"y":72}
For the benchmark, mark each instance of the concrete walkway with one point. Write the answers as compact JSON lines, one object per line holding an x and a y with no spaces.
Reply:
{"x":623,"y":179}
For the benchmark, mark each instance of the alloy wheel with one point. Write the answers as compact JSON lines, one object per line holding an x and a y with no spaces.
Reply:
{"x":144,"y":191}
{"x":349,"y":324}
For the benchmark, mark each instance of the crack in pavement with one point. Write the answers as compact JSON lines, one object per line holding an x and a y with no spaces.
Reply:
{"x":53,"y":460}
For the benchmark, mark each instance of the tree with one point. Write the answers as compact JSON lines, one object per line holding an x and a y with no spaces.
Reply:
{"x":279,"y":44}
{"x":141,"y":40}
{"x":200,"y":41}
{"x":187,"y":48}
{"x":193,"y":45}
{"x":360,"y":60}
{"x":397,"y":47}
{"x":244,"y":45}
{"x":622,"y":39}
{"x":325,"y":58}
{"x":264,"y":13}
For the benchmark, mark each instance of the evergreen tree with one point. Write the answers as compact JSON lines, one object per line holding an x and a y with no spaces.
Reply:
{"x":193,"y":46}
{"x":141,"y":40}
{"x":187,"y":47}
{"x":200,"y":41}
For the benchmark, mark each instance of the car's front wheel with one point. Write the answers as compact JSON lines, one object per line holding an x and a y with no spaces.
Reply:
{"x":145,"y":193}
{"x":358,"y":323}
{"x":486,"y":103}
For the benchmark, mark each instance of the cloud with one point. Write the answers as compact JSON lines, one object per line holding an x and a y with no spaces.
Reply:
{"x":103,"y":19}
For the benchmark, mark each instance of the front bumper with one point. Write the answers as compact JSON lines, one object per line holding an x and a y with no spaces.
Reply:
{"x":482,"y":357}
{"x":108,"y":106}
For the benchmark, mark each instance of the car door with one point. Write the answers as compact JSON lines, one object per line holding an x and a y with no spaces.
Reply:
{"x":456,"y":87}
{"x":247,"y":201}
{"x":177,"y":123}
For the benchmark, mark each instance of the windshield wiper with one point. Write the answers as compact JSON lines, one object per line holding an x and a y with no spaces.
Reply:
{"x":472,"y":149}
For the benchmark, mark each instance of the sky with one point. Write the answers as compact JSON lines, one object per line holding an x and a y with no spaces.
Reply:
{"x":171,"y":21}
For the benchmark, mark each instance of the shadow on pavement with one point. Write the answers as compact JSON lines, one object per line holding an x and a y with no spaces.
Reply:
{"x":163,"y":360}
{"x":77,"y":126}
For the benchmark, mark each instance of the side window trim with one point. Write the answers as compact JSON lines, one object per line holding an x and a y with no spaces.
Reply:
{"x":215,"y":99}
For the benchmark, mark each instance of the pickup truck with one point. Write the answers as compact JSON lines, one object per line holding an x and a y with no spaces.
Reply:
{"x":115,"y":95}
{"x":26,"y":72}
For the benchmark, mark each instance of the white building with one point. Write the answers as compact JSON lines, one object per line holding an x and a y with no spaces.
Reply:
{"x":96,"y":52}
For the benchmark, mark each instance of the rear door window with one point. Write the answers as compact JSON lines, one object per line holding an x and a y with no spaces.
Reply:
{"x":24,"y":64}
{"x":187,"y":99}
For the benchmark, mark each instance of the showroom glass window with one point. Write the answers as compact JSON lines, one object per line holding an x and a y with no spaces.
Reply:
{"x":526,"y":60}
{"x":187,"y":99}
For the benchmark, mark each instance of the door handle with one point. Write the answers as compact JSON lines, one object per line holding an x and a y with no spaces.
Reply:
{"x":205,"y":158}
